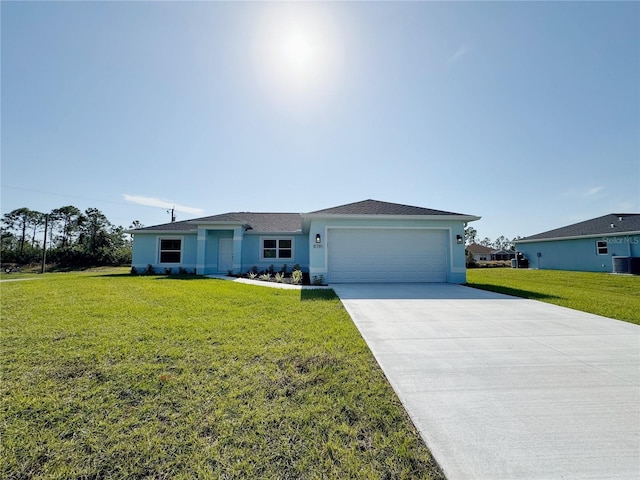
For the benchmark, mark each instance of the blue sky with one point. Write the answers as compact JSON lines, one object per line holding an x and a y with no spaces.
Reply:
{"x":527,"y":114}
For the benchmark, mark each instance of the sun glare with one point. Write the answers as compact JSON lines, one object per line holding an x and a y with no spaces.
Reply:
{"x":298,"y":51}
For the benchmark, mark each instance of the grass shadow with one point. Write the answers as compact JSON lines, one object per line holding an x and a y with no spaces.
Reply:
{"x":317,"y":294}
{"x":116,"y":275}
{"x":157,"y":276}
{"x":187,"y":276}
{"x":514,"y":292}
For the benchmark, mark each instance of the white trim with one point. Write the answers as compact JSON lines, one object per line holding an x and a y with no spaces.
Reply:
{"x":277,"y":238}
{"x":160,"y":232}
{"x":335,"y":216}
{"x":159,"y":252}
{"x":598,"y":247}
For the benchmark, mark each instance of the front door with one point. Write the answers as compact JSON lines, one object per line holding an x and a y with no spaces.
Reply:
{"x":225,"y":255}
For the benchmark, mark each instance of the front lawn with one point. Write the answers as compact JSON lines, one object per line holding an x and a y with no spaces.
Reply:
{"x":112,"y":376}
{"x":614,"y":296}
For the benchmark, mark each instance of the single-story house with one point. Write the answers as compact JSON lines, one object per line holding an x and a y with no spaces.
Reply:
{"x":501,"y":254}
{"x":367,"y":241}
{"x":604,"y":244}
{"x":485,"y":254}
{"x":480,"y":252}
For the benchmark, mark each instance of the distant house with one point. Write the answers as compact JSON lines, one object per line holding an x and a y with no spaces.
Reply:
{"x":367,"y":241}
{"x":502,"y":255}
{"x":487,"y":254}
{"x":610,"y":243}
{"x":480,"y":252}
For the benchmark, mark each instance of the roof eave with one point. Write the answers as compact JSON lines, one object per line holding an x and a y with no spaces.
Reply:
{"x":368,"y":216}
{"x":576,"y":237}
{"x":224,"y":223}
{"x":163,"y":232}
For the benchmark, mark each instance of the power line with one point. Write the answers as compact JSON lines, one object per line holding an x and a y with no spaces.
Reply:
{"x":73,"y":196}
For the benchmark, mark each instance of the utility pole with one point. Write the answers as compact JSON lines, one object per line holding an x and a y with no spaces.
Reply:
{"x":44,"y":243}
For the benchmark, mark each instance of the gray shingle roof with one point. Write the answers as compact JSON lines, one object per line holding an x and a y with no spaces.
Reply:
{"x":292,"y":222}
{"x":260,"y":222}
{"x":167,"y":227}
{"x":376,"y":207}
{"x":622,"y":223}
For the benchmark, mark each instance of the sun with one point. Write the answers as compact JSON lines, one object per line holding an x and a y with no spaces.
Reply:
{"x":298,"y":51}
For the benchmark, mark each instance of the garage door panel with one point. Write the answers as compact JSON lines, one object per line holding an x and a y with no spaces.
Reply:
{"x":387,"y":255}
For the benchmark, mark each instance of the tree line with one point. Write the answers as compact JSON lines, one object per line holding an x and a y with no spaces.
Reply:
{"x":73,"y":237}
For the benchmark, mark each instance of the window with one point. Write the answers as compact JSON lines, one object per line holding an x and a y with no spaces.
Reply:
{"x":601,"y":247}
{"x":170,"y":250}
{"x":277,"y":248}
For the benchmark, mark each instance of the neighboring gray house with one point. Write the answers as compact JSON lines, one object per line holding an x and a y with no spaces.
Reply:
{"x":367,"y":241}
{"x":610,"y":243}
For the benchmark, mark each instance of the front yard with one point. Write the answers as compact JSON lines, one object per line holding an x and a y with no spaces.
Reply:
{"x":105,"y":375}
{"x":614,"y":296}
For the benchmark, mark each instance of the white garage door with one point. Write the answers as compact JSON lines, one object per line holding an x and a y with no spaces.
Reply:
{"x":387,"y":255}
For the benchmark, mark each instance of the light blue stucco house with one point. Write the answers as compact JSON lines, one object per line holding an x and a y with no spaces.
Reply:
{"x":610,"y":243}
{"x":367,"y":241}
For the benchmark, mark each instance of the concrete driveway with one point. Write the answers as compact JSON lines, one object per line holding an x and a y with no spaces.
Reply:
{"x":506,"y":388}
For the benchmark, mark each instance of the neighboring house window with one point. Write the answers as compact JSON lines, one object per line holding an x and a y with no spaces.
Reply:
{"x":170,"y":250}
{"x":601,"y":247}
{"x":277,"y":248}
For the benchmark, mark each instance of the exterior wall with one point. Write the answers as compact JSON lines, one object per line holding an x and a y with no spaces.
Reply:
{"x":579,"y":254}
{"x":318,"y":256}
{"x":200,"y":251}
{"x":205,"y":246}
{"x":252,"y":247}
{"x":146,"y":252}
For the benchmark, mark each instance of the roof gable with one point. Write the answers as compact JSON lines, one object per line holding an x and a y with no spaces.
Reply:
{"x":376,"y":207}
{"x":611,"y":224}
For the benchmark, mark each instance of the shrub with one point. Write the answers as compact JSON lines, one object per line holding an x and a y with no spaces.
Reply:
{"x":134,"y":271}
{"x":279,"y":277}
{"x":149,"y":270}
{"x":265,"y":276}
{"x":252,"y":275}
{"x":296,"y":277}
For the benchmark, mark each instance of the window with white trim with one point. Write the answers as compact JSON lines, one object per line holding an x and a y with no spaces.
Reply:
{"x":170,"y":250}
{"x":276,"y":248}
{"x":601,"y":247}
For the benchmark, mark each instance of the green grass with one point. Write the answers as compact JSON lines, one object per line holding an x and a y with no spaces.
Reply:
{"x":113,"y":376}
{"x":614,"y":296}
